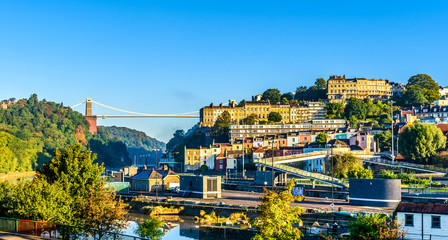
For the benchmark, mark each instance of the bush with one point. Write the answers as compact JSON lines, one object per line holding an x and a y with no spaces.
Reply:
{"x":388,"y":174}
{"x":375,"y":226}
{"x":203,"y":168}
{"x":406,"y":178}
{"x":360,"y":172}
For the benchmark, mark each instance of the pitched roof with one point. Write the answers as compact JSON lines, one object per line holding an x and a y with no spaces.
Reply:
{"x":153,"y":174}
{"x":339,"y":142}
{"x":436,"y":208}
{"x":443,"y":127}
{"x":259,"y":150}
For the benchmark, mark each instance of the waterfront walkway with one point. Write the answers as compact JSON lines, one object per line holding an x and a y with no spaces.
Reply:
{"x":16,"y":236}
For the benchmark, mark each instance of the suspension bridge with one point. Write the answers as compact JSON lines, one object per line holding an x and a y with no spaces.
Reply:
{"x":92,"y":118}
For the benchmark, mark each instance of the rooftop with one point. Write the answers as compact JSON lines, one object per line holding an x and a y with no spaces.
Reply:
{"x":153,"y":174}
{"x":436,"y":208}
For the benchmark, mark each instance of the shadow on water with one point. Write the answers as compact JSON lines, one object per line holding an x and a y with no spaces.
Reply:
{"x":176,"y":227}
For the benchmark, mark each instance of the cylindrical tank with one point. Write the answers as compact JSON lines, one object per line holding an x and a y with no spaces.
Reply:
{"x":375,"y":192}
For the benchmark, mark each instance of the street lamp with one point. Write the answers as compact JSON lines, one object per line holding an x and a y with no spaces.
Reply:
{"x":244,"y":176}
{"x":392,"y":129}
{"x":272,"y":167}
{"x":157,"y":186}
{"x":332,"y":182}
{"x":156,"y":156}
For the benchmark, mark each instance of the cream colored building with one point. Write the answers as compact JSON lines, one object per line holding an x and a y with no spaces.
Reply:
{"x":192,"y":158}
{"x":290,"y":113}
{"x":196,"y":157}
{"x":340,"y":89}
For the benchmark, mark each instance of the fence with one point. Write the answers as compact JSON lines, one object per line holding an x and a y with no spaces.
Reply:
{"x":56,"y":231}
{"x":418,"y":236}
{"x":409,"y":165}
{"x":425,"y":191}
{"x":35,"y":228}
{"x":8,"y":224}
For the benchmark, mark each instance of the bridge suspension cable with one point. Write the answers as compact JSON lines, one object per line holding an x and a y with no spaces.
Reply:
{"x":142,"y":114}
{"x":77,"y":104}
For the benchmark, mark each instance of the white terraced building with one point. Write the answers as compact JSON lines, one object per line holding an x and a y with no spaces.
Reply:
{"x":423,"y":220}
{"x":249,"y":131}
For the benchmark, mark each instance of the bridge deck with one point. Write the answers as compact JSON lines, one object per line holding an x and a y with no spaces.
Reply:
{"x":377,"y":158}
{"x":303,"y":174}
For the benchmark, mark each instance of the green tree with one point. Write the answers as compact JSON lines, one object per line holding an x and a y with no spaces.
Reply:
{"x":273,"y":95}
{"x":321,"y":84}
{"x":109,"y":149}
{"x":195,"y":140}
{"x":150,"y":228}
{"x":313,"y":93}
{"x":420,"y":142}
{"x":441,"y":159}
{"x":251,"y":119}
{"x":177,"y":138}
{"x":356,"y":108}
{"x":49,"y":202}
{"x":288,"y":96}
{"x":384,"y":140}
{"x":347,"y":165}
{"x":427,"y":85}
{"x":353,"y":121}
{"x":322,"y":137}
{"x":93,"y":205}
{"x":413,"y":96}
{"x":274,"y":117}
{"x":278,"y":217}
{"x":375,"y":227}
{"x":299,"y":93}
{"x":359,"y":172}
{"x":334,"y":110}
{"x":203,"y":168}
{"x":220,"y":131}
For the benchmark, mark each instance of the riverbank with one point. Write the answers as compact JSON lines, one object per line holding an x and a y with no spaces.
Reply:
{"x":249,"y":200}
{"x":16,"y":175}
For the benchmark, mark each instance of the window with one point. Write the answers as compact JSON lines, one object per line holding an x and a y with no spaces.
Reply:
{"x":435,"y":221}
{"x":409,"y":220}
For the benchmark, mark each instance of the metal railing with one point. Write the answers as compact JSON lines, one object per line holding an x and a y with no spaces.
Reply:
{"x":301,"y":155}
{"x":319,"y":153}
{"x":408,"y":165}
{"x":372,"y":157}
{"x":303,"y":173}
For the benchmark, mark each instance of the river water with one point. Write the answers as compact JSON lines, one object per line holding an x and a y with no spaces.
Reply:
{"x":176,"y":227}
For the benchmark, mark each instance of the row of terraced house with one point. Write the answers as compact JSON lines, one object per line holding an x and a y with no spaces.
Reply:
{"x":227,"y":156}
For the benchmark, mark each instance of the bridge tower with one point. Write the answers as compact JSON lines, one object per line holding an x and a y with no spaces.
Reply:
{"x":91,"y":119}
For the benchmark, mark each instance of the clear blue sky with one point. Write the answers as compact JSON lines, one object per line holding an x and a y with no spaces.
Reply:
{"x":178,"y":56}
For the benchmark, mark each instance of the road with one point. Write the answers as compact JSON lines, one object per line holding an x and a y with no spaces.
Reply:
{"x":250,"y":199}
